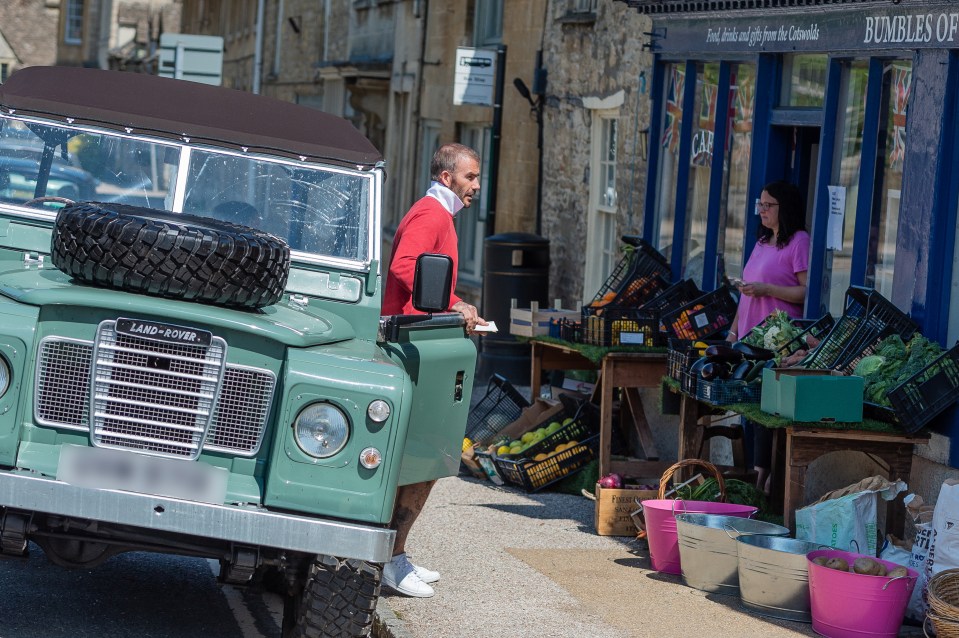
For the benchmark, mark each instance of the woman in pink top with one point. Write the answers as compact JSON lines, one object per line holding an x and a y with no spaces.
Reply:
{"x":774,"y":279}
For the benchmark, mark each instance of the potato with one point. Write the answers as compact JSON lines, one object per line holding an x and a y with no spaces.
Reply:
{"x":897,"y":572}
{"x":839,"y":564}
{"x":867,"y":566}
{"x":820,"y":560}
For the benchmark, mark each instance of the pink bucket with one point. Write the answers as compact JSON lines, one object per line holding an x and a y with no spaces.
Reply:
{"x":660,"y":517}
{"x":850,"y":605}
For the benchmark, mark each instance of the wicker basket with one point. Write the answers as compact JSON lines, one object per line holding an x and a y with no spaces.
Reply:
{"x":943,"y":597}
{"x":675,"y":467}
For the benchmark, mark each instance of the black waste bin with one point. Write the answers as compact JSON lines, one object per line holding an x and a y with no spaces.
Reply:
{"x":516,"y":266}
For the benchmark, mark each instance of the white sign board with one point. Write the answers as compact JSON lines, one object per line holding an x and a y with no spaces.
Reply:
{"x":191,"y":57}
{"x":837,"y":215}
{"x":474,"y":76}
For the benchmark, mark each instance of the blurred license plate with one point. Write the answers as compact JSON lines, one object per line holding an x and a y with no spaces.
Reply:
{"x":107,"y":469}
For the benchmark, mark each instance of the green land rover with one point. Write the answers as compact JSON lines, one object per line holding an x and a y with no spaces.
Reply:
{"x":192,"y":357}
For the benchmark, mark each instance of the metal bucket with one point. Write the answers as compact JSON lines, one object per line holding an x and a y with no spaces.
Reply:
{"x":707,"y":549}
{"x":773,"y":576}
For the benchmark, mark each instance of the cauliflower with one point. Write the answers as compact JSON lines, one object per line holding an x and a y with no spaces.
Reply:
{"x":769,"y":339}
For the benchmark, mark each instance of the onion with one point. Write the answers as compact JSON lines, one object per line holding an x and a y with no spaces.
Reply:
{"x":611,"y":481}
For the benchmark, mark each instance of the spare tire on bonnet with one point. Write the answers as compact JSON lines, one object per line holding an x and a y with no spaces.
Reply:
{"x":158,"y":252}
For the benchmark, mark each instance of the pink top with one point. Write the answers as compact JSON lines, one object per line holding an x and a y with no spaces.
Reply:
{"x":771,"y":265}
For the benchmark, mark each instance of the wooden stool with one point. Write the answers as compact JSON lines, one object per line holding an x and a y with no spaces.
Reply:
{"x":736,"y":438}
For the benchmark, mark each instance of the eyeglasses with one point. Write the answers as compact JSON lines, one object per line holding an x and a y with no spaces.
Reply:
{"x":765,"y":205}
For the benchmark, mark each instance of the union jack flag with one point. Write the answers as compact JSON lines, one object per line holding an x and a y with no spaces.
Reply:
{"x":674,"y":110}
{"x":901,"y":88}
{"x":744,"y":105}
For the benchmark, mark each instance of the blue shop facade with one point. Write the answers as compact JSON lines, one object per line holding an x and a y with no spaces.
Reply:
{"x":853,"y":101}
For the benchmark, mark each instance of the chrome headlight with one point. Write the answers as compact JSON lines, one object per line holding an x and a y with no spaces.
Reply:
{"x":321,"y":430}
{"x":4,"y":376}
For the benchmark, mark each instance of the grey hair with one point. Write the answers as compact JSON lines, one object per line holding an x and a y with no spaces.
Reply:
{"x":446,"y":157}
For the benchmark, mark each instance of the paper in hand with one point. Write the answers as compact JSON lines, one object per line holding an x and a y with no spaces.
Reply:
{"x":489,"y":327}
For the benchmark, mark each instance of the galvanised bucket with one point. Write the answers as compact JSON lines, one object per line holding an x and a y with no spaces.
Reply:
{"x":707,"y":549}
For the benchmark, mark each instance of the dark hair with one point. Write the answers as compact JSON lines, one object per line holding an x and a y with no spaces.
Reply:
{"x":447,"y":156}
{"x":792,"y":213}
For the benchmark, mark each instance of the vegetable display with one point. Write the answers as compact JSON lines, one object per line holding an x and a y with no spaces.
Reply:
{"x":776,"y":331}
{"x":894,"y":362}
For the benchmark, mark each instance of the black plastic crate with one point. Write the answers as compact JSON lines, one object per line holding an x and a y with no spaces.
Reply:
{"x":583,"y":423}
{"x":677,"y":295}
{"x":501,"y":405}
{"x":620,"y":326}
{"x":680,"y":356}
{"x":867,"y":319}
{"x":815,"y":328}
{"x":726,"y":392}
{"x":566,"y":330}
{"x":640,"y":274}
{"x":705,"y":317}
{"x":535,"y":475}
{"x":926,"y":394}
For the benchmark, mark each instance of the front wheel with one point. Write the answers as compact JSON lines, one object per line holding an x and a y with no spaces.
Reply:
{"x":337,"y":600}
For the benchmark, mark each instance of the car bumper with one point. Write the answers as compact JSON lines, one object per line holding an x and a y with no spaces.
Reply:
{"x":239,"y":524}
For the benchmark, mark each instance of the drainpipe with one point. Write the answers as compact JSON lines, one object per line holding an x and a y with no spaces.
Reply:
{"x":258,"y":47}
{"x":275,"y":71}
{"x":103,"y":41}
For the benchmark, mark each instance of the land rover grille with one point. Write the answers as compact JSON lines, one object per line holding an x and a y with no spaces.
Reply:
{"x":167,"y":399}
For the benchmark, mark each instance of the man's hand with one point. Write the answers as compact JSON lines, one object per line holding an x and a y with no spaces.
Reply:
{"x":469,"y":313}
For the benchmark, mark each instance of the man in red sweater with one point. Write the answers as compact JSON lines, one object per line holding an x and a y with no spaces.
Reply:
{"x":427,"y":228}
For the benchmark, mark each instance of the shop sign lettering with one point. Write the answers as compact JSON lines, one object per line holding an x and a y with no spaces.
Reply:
{"x":760,"y":35}
{"x":904,"y":29}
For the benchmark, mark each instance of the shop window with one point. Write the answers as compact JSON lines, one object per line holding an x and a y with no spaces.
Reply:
{"x":897,"y":87}
{"x":4,"y":72}
{"x":804,"y":80}
{"x":602,"y":245}
{"x":700,"y":169}
{"x":471,"y":222}
{"x":488,"y":24}
{"x":844,"y":182}
{"x":73,"y":24}
{"x":735,"y":199}
{"x":672,"y":126}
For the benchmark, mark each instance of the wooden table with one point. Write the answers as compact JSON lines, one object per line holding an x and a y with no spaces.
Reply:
{"x":627,"y":370}
{"x":798,"y":445}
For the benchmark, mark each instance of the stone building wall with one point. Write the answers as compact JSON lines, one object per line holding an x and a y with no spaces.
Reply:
{"x":30,"y":29}
{"x":590,"y":59}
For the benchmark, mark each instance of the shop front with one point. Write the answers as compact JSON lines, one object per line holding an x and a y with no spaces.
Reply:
{"x":854,"y":102}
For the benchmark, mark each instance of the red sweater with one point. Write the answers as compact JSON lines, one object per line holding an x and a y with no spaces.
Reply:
{"x":426,"y":228}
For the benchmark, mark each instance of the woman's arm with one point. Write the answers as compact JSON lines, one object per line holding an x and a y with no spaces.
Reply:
{"x":791,"y":294}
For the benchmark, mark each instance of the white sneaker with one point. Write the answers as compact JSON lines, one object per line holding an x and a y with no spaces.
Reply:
{"x":428,"y":576}
{"x":400,"y":576}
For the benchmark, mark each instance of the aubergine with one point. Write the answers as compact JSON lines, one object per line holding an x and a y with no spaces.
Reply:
{"x":698,"y":365}
{"x":741,"y":370}
{"x":756,"y":369}
{"x":725,"y":354}
{"x":753,"y":352}
{"x":715,"y":370}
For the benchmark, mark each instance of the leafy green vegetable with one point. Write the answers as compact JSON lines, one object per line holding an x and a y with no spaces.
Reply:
{"x":868,"y":365}
{"x":737,"y":491}
{"x":773,"y":333}
{"x":901,"y":361}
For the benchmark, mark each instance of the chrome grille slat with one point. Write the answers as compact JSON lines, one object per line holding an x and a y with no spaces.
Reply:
{"x":157,"y":420}
{"x":122,"y":424}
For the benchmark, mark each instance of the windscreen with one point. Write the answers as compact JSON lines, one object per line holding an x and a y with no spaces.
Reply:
{"x":323,"y":211}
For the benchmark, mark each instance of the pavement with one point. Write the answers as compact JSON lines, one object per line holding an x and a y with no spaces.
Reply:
{"x":519,"y":564}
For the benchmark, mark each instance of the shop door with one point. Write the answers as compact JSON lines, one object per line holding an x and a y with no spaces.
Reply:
{"x":794,"y":157}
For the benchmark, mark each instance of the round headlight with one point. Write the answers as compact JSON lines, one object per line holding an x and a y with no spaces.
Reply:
{"x":4,"y":376}
{"x":321,"y":430}
{"x":378,"y":411}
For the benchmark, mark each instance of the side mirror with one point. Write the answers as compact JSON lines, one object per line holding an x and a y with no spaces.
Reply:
{"x":432,"y":282}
